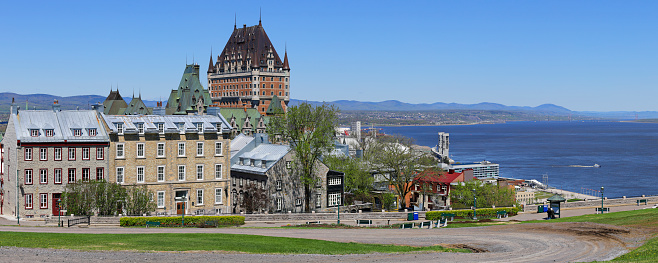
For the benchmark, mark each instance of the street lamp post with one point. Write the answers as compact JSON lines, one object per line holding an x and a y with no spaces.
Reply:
{"x":601,"y":199}
{"x":474,"y":205}
{"x":182,"y":199}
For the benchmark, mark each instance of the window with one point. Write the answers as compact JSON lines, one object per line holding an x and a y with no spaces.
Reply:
{"x":57,"y":175}
{"x":181,"y":149}
{"x":43,"y":176}
{"x":161,"y":198}
{"x":100,"y":153}
{"x":199,"y":196}
{"x":161,"y":127}
{"x":120,"y":153}
{"x":279,"y":204}
{"x":85,"y":174}
{"x":218,"y":195}
{"x":199,"y":171}
{"x":140,"y":174}
{"x":181,"y":173}
{"x":71,"y":175}
{"x":34,"y":133}
{"x":43,"y":154}
{"x":28,"y":154}
{"x":28,"y":176}
{"x":318,"y":200}
{"x":71,"y":154}
{"x":298,"y":202}
{"x":199,"y":149}
{"x":160,"y":149}
{"x":334,"y":199}
{"x":100,"y":173}
{"x":120,"y":175}
{"x":288,"y":165}
{"x":85,"y":153}
{"x":119,"y":128}
{"x":43,"y":201}
{"x":58,"y":154}
{"x":199,"y":126}
{"x":218,"y":171}
{"x":161,"y":173}
{"x":77,"y":132}
{"x":140,"y":150}
{"x":278,"y":185}
{"x":28,"y":201}
{"x":334,"y":181}
{"x":140,"y":128}
{"x":92,"y":132}
{"x":218,"y":148}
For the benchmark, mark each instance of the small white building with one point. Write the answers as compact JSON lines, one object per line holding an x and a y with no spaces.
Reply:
{"x":481,"y":170}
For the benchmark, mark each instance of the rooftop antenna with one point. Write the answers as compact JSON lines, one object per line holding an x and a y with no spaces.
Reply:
{"x":235,"y":23}
{"x":260,"y":14}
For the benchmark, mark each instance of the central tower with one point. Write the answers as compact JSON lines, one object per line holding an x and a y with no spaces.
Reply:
{"x":249,"y":73}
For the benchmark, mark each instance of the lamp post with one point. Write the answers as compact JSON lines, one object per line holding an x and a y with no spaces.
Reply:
{"x":182,"y":199}
{"x":601,"y":199}
{"x":474,"y":205}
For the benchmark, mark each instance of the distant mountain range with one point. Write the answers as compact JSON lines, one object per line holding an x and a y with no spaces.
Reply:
{"x":44,"y":101}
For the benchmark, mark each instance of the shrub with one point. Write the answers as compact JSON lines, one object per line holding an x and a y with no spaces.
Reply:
{"x":483,"y":212}
{"x":189,"y":220}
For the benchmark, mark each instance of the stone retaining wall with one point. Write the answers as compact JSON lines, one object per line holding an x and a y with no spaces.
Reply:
{"x":328,"y":216}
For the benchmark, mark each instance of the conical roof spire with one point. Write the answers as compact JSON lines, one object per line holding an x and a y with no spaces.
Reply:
{"x":285,"y":60}
{"x":211,"y":66}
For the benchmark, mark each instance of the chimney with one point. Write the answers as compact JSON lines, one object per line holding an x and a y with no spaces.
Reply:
{"x":100,"y":108}
{"x":159,"y":110}
{"x":13,"y":108}
{"x":261,"y":138}
{"x":451,"y":171}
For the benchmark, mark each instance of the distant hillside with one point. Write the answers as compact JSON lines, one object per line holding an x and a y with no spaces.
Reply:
{"x":45,"y":101}
{"x":394,"y":105}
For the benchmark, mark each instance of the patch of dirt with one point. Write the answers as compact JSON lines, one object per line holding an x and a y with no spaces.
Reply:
{"x":465,"y":246}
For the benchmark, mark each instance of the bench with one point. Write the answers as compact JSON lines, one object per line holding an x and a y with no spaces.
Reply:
{"x":440,"y":223}
{"x":427,"y":224}
{"x":501,"y":214}
{"x":151,"y":223}
{"x":642,"y":201}
{"x":407,"y":225}
{"x":605,"y":209}
{"x":446,"y":215}
{"x":313,"y":222}
{"x":363,"y":222}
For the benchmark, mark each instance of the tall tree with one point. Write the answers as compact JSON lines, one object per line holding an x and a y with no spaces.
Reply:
{"x":487,"y":195}
{"x":358,"y":179}
{"x":398,"y":162}
{"x":310,"y":131}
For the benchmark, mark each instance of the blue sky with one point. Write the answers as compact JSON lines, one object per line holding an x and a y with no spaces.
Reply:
{"x":583,"y":55}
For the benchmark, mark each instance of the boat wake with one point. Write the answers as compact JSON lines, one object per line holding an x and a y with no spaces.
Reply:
{"x":596,"y":165}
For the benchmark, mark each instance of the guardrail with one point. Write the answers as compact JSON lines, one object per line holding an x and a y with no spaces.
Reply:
{"x":80,"y":220}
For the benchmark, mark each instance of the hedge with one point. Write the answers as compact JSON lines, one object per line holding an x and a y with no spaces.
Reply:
{"x":484,"y":212}
{"x":189,"y":220}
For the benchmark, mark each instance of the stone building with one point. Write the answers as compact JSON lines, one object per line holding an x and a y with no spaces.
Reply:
{"x":254,"y":161}
{"x":249,"y":71}
{"x":183,"y":159}
{"x":45,"y":151}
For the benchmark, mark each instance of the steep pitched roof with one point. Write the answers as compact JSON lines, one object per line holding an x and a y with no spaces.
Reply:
{"x":137,"y":106}
{"x":114,"y":103}
{"x":248,"y":45}
{"x":241,"y":115}
{"x":275,"y":107}
{"x":190,"y":92}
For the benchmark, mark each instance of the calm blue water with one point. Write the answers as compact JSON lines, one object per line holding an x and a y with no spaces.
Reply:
{"x":627,"y":152}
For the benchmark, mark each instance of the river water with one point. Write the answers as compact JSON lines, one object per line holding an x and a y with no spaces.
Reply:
{"x":627,"y":152}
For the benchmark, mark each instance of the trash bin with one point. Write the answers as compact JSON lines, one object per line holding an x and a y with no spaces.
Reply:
{"x":542,"y":209}
{"x":415,"y":215}
{"x":410,"y":216}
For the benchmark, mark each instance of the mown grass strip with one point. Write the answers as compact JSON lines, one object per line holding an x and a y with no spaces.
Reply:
{"x":200,"y":242}
{"x":641,"y":218}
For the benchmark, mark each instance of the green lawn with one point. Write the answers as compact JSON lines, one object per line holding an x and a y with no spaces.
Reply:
{"x":200,"y":242}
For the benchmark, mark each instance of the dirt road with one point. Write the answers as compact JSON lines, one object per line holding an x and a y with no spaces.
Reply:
{"x":556,"y":242}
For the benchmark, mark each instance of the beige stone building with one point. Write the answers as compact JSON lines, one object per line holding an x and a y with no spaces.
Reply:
{"x":183,"y":159}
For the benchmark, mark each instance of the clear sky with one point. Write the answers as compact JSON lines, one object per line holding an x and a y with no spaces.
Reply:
{"x":583,"y":55}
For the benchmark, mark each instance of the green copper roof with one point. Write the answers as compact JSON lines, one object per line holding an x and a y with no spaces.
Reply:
{"x":189,"y":93}
{"x":275,"y":107}
{"x":137,"y":106}
{"x":556,"y":198}
{"x":240,"y":115}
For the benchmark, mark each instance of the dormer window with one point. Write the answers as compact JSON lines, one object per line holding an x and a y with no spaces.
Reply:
{"x":140,"y":128}
{"x":34,"y":133}
{"x":161,"y":127}
{"x":199,"y":126}
{"x":92,"y":132}
{"x":252,"y":162}
{"x":119,"y":128}
{"x":77,"y":132}
{"x":263,"y":164}
{"x":50,"y":133}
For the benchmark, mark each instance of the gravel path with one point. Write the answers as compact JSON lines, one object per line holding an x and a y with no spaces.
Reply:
{"x":561,"y":242}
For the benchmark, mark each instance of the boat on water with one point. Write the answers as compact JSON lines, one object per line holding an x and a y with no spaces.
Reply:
{"x":596,"y":165}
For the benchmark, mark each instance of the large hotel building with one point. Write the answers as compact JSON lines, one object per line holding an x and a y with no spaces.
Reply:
{"x":249,"y":72}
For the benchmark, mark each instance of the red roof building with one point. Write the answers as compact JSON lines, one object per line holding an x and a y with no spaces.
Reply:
{"x":431,"y":188}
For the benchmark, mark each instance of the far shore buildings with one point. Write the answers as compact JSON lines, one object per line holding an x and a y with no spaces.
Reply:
{"x":45,"y":151}
{"x":249,"y":72}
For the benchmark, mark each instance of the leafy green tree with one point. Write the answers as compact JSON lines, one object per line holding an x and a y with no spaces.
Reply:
{"x":85,"y":197}
{"x":358,"y":179}
{"x":255,"y":198}
{"x":139,"y":200}
{"x":487,"y":195}
{"x":310,"y":132}
{"x":395,"y":159}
